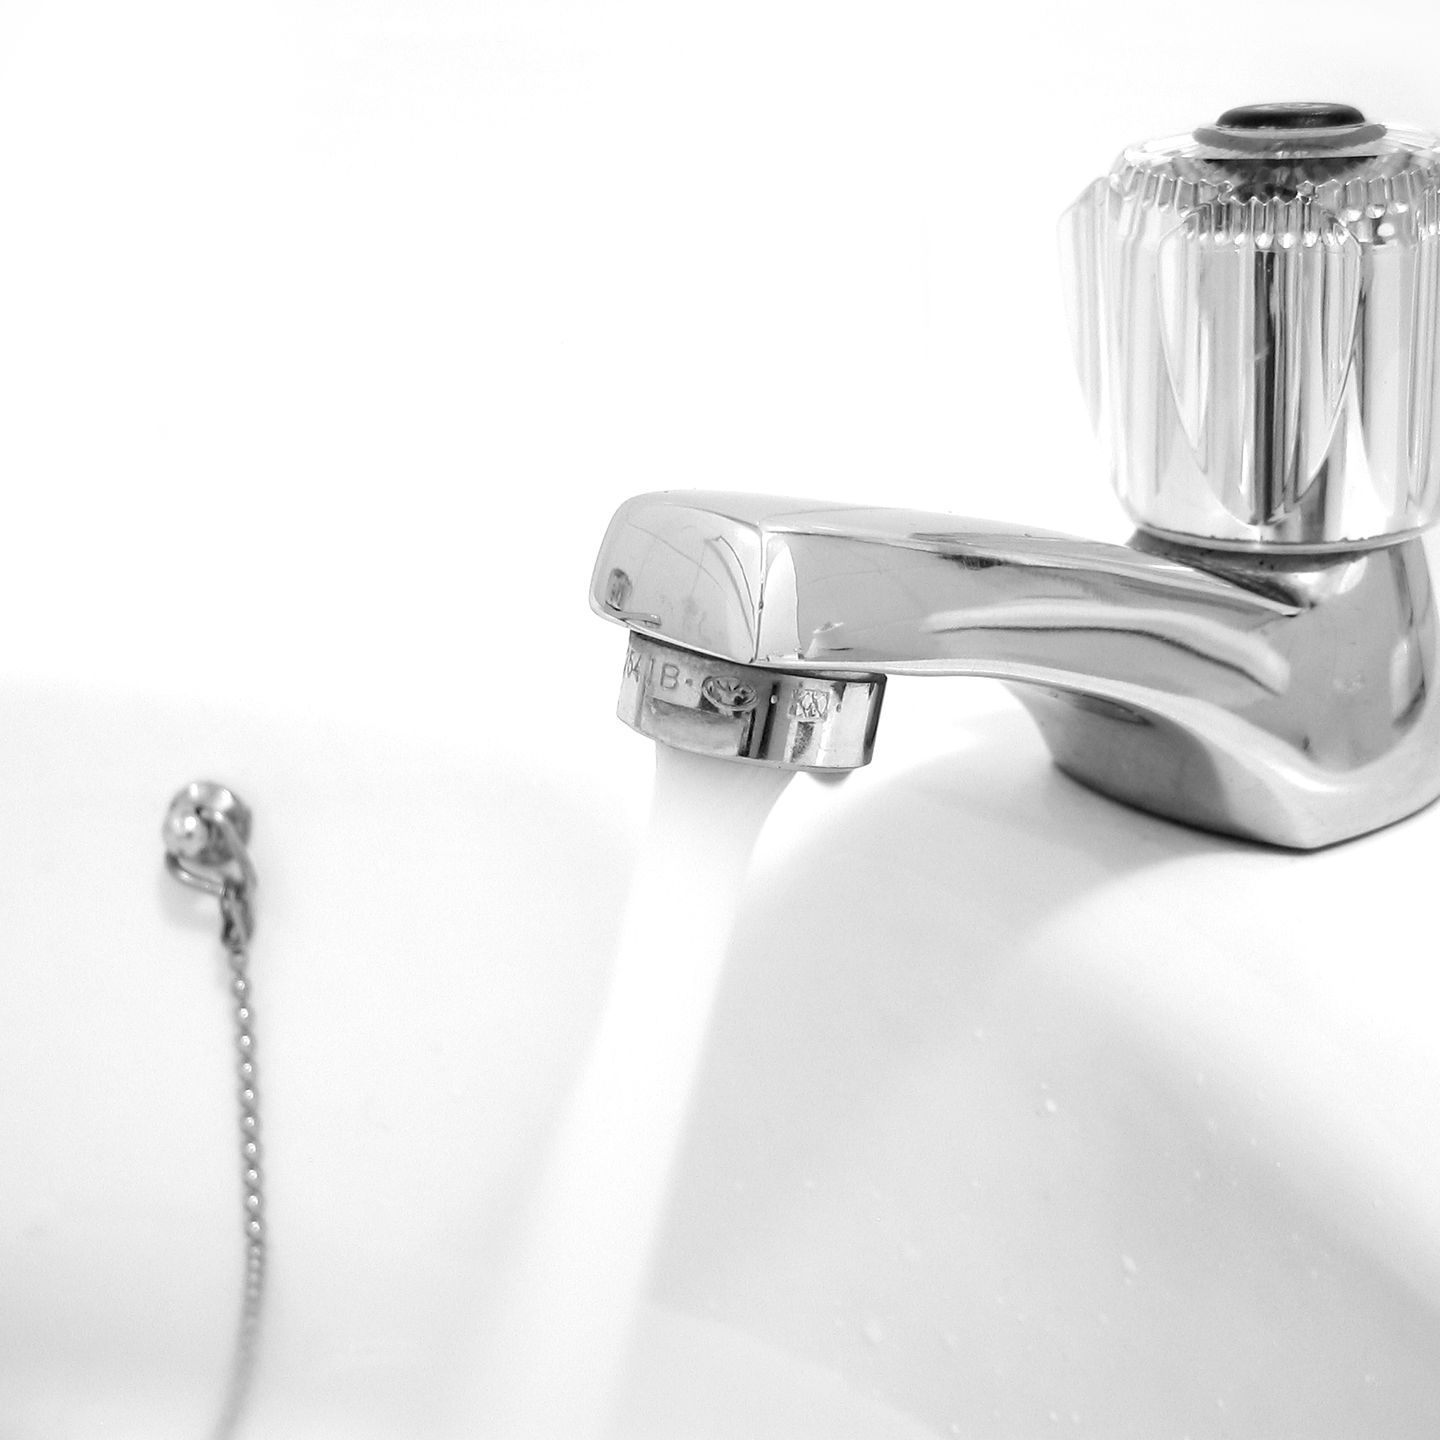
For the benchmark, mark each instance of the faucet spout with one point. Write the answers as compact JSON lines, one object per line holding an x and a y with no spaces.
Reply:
{"x":1285,"y":699}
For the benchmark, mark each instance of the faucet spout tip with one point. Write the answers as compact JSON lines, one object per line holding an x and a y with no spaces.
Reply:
{"x":679,"y":697}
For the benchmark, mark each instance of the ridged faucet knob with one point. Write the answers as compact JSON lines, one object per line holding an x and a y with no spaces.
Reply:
{"x":1256,"y":309}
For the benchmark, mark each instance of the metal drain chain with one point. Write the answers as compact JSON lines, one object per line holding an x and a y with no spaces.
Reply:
{"x":236,"y":923}
{"x":206,"y":831}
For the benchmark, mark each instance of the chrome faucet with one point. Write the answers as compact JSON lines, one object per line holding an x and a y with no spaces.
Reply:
{"x":1257,"y":317}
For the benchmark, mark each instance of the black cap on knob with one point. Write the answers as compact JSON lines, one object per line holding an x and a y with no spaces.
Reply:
{"x":1291,"y":128}
{"x":1290,"y":115}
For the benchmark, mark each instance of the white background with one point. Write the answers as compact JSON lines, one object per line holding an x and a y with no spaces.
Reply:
{"x":331,"y":333}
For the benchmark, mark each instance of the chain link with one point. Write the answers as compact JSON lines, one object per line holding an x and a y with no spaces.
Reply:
{"x":235,"y":910}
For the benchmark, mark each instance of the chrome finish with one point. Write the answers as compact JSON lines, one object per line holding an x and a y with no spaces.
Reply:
{"x":205,"y":833}
{"x":1256,"y":310}
{"x":742,"y":712}
{"x":1287,"y":698}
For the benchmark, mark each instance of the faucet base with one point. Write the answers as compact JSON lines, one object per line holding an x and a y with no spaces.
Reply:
{"x":1154,"y":764}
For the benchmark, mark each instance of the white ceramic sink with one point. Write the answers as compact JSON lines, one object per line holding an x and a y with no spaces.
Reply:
{"x":1022,"y":1113}
{"x":1025,"y":1111}
{"x":431,"y":944}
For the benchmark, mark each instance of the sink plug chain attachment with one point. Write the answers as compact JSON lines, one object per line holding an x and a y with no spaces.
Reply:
{"x":206,"y":835}
{"x":206,"y":832}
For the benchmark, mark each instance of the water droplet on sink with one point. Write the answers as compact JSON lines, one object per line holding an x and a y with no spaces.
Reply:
{"x":874,"y":1331}
{"x":1127,"y":1263}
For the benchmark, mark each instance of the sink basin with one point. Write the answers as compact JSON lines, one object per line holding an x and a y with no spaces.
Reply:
{"x":1025,"y":1111}
{"x":1021,"y":1113}
{"x":421,"y":1002}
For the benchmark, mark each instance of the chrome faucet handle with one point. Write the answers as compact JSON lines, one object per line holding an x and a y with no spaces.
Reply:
{"x":1256,"y":313}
